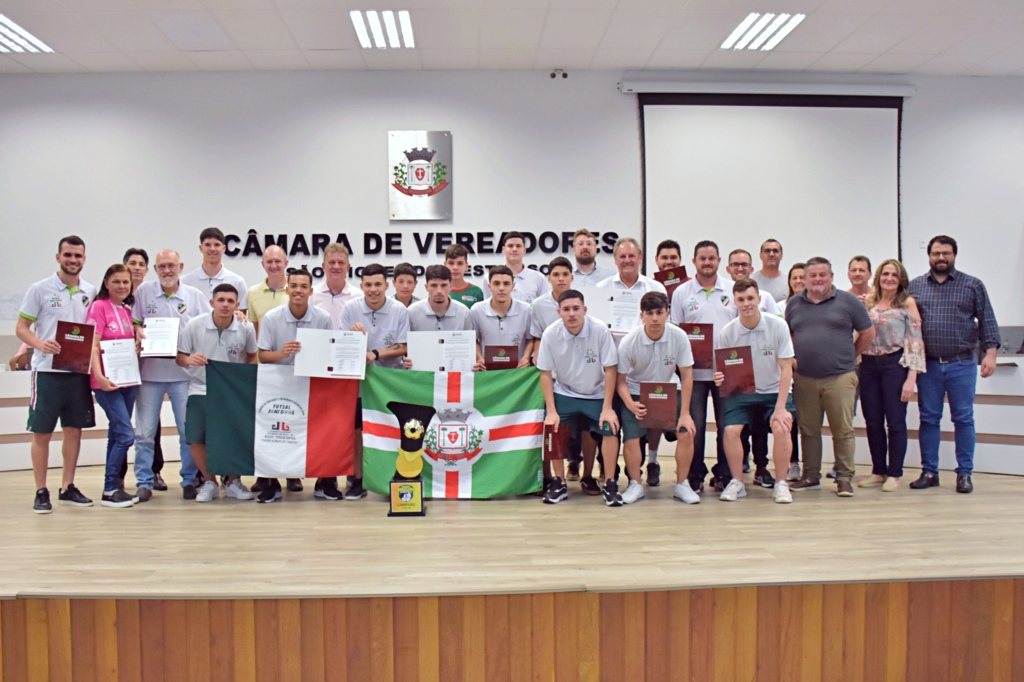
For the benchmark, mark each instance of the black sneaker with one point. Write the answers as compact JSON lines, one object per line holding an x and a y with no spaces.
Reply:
{"x":355,"y":490}
{"x":73,"y":497}
{"x":327,"y":488}
{"x":295,"y":485}
{"x":42,"y":504}
{"x":764,"y":479}
{"x":189,"y":492}
{"x":555,"y":492}
{"x":159,"y":483}
{"x":119,"y":499}
{"x":697,"y":485}
{"x":271,"y":491}
{"x":720,"y":482}
{"x":612,"y":498}
{"x":590,"y":486}
{"x":653,"y":474}
{"x":259,"y":485}
{"x":746,"y":466}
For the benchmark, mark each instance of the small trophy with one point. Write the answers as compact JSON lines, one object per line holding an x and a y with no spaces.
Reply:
{"x":407,"y":484}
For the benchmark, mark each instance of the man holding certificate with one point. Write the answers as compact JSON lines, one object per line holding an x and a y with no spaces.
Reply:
{"x":771,"y":361}
{"x":161,"y":308}
{"x":502,"y":324}
{"x":653,"y":397}
{"x":277,"y":344}
{"x":437,"y":313}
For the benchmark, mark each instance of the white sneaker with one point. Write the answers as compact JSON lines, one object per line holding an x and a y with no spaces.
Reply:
{"x":209,"y":492}
{"x":684,"y":493}
{"x":237,"y":490}
{"x":781,"y":495}
{"x":634,"y":493}
{"x":733,"y":491}
{"x":794,"y":472}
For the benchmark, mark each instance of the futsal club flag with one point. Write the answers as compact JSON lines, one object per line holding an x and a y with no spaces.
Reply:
{"x":484,"y":441}
{"x":262,"y":420}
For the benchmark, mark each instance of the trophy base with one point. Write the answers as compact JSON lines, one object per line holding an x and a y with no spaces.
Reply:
{"x":407,"y":497}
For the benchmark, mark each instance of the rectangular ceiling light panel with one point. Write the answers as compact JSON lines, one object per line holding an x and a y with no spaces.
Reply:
{"x":381,"y":30}
{"x":14,"y":38}
{"x":761,"y":31}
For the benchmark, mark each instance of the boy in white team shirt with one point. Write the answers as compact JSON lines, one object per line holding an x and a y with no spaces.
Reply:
{"x":771,"y":351}
{"x":438,"y":312}
{"x":217,"y":336}
{"x":577,"y":362}
{"x":653,"y":352}
{"x":502,"y":320}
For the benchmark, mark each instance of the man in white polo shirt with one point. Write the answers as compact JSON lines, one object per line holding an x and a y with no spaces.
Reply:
{"x":654,"y":352}
{"x":385,"y":322}
{"x":530,"y":284}
{"x":167,"y":297}
{"x":436,"y":312}
{"x":277,"y":344}
{"x":705,"y":299}
{"x":212,"y":272}
{"x":502,"y":320}
{"x":577,"y":362}
{"x":335,"y":291}
{"x":628,"y":257}
{"x":217,"y":336}
{"x":771,"y":352}
{"x":56,"y":394}
{"x":587,"y":271}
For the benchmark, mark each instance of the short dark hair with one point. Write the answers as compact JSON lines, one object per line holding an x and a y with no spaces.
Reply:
{"x":767,"y":241}
{"x":669,"y":244}
{"x":404,"y":269}
{"x":500,"y":270}
{"x":135,"y":252}
{"x":73,"y":240}
{"x":703,"y":244}
{"x":559,"y":262}
{"x":744,"y":284}
{"x":212,"y":233}
{"x":230,"y":288}
{"x":302,"y":272}
{"x":859,"y":258}
{"x":653,"y":300}
{"x":818,"y":260}
{"x":735,"y":251}
{"x":456,"y":251}
{"x":571,"y":293}
{"x":512,"y":235}
{"x":373,"y":269}
{"x":105,"y":293}
{"x":942,"y":239}
{"x":435,"y":272}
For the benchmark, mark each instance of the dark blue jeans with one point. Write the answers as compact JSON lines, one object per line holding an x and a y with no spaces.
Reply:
{"x":699,"y":414}
{"x":957,"y":380}
{"x":881,"y":383}
{"x":118,"y":406}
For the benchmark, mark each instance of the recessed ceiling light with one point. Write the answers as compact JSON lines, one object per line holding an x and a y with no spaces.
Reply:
{"x":372,"y":25}
{"x":14,"y":38}
{"x":761,"y":31}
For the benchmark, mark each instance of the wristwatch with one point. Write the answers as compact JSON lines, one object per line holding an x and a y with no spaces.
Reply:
{"x":376,"y":354}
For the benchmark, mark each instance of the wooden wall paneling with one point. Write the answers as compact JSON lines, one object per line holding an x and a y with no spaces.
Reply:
{"x":497,"y":655}
{"x":450,"y":626}
{"x":702,"y":631}
{"x":679,"y":633}
{"x":336,"y":640}
{"x":406,"y":635}
{"x":545,"y":637}
{"x":128,"y":624}
{"x":790,"y":624}
{"x":770,"y":623}
{"x":88,"y":636}
{"x":151,"y":636}
{"x":812,"y":597}
{"x":197,"y":641}
{"x":312,"y":651}
{"x":268,"y":654}
{"x":290,"y":631}
{"x":657,"y":648}
{"x":358,"y":629}
{"x":612,"y":637}
{"x":222,"y":639}
{"x":589,"y":611}
{"x":14,"y":640}
{"x":474,"y":614}
{"x":566,"y":621}
{"x":428,"y":639}
{"x":520,"y":639}
{"x":243,"y":638}
{"x":854,"y":620}
{"x":36,"y":640}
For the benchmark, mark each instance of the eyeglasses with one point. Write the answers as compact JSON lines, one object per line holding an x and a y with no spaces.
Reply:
{"x":771,"y":250}
{"x":944,"y":254}
{"x":739,"y":265}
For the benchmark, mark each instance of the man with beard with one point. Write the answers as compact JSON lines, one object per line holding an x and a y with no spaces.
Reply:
{"x":584,"y":249}
{"x":956,"y":315}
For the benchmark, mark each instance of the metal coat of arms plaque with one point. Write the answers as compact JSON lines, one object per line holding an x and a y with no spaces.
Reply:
{"x":421,"y":174}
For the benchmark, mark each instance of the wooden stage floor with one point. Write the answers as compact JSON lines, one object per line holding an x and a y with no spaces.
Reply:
{"x":169,"y":548}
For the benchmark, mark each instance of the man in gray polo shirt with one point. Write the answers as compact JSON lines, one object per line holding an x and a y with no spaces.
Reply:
{"x":436,"y":312}
{"x":823,"y":320}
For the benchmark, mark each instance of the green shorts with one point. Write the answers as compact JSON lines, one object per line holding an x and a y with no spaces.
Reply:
{"x":740,"y":409}
{"x":631,"y":425}
{"x":195,"y":420}
{"x":60,"y":395}
{"x":590,"y":409}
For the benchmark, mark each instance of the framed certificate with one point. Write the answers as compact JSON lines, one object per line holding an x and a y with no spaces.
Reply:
{"x":331,"y":354}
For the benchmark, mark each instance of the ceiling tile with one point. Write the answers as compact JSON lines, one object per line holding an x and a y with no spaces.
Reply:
{"x":944,"y":64}
{"x":170,"y":5}
{"x":634,"y":30}
{"x":997,"y":65}
{"x":8,"y":65}
{"x":336,"y":59}
{"x":256,"y":29}
{"x":64,"y":32}
{"x":50,"y":63}
{"x":15,"y":8}
{"x":700,"y":31}
{"x":446,"y":29}
{"x":895,"y":63}
{"x":739,"y":7}
{"x":277,"y":60}
{"x":321,"y":29}
{"x":673,"y":5}
{"x":163,"y":61}
{"x":454,"y":59}
{"x":128,"y":31}
{"x":309,"y":4}
{"x":238,"y":4}
{"x":583,"y":4}
{"x":225,"y":60}
{"x":842,"y":62}
{"x":574,"y":29}
{"x":522,"y":58}
{"x":555,"y":58}
{"x":787,"y":61}
{"x":193,"y":31}
{"x":790,"y":6}
{"x":505,"y":28}
{"x":79,"y":6}
{"x":879,"y":33}
{"x":677,"y":59}
{"x":615,"y":59}
{"x":821,"y":32}
{"x":941,"y":33}
{"x":989,"y":39}
{"x":106,"y":62}
{"x":393,"y":59}
{"x":732,"y":59}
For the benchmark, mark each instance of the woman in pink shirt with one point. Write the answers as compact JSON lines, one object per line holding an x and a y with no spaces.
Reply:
{"x":111,"y":314}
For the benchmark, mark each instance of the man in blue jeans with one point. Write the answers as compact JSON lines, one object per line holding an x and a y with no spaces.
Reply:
{"x":956,"y":317}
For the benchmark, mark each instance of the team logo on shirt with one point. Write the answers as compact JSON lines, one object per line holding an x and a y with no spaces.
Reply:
{"x":419,"y":174}
{"x":669,"y":360}
{"x":112,"y":326}
{"x":234,"y":348}
{"x":151,"y":308}
{"x":767,"y":350}
{"x":182,"y":308}
{"x":389,"y":340}
{"x":590,"y":356}
{"x":692,"y":305}
{"x":85,"y":300}
{"x":725,"y":300}
{"x":515,"y":340}
{"x":56,"y":302}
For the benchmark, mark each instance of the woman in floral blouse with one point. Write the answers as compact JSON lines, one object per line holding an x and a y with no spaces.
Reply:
{"x":888,"y":373}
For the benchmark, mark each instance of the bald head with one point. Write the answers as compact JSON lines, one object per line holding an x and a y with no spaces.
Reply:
{"x":168,"y":268}
{"x":275,"y":264}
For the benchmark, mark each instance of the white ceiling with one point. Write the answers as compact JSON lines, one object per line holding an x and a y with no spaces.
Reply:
{"x":949,"y":37}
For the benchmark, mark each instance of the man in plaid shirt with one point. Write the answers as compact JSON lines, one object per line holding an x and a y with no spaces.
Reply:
{"x":956,"y":316}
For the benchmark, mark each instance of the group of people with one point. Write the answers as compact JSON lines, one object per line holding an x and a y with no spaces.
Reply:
{"x":886,"y":335}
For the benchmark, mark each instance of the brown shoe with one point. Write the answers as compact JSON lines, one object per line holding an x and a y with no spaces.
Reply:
{"x":844,"y":489}
{"x":574,"y":472}
{"x":805,"y":484}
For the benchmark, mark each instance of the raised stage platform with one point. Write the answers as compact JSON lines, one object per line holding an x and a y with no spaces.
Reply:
{"x":910,"y":585}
